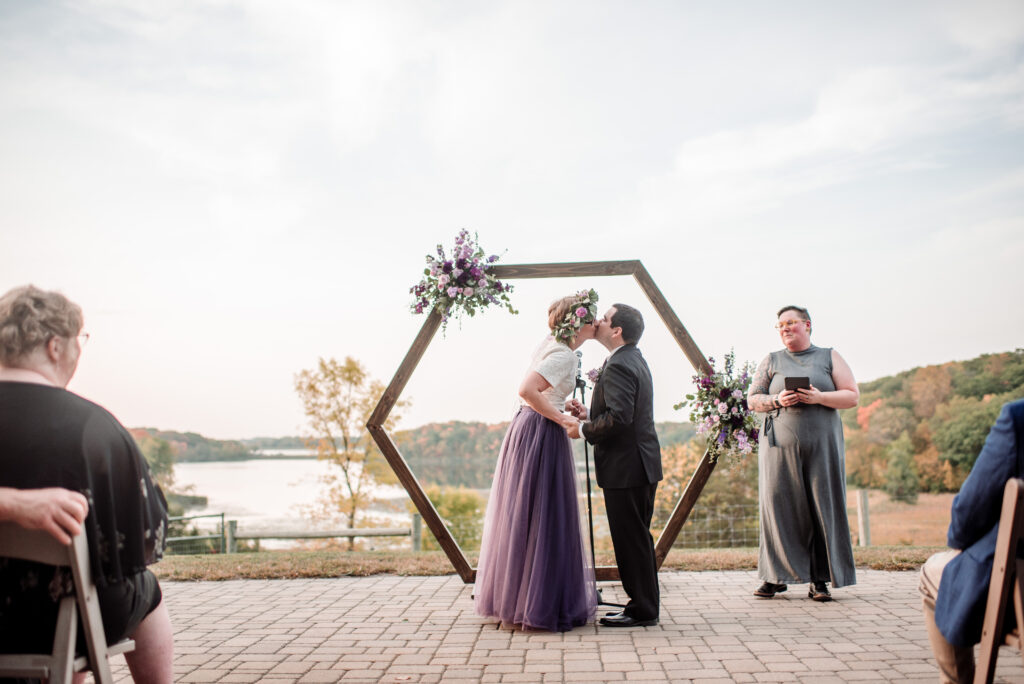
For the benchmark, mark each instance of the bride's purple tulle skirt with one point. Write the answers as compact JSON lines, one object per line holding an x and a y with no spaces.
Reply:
{"x":533,"y":569}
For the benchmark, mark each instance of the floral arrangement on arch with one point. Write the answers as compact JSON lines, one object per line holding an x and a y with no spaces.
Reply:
{"x":719,"y":409}
{"x":459,"y":282}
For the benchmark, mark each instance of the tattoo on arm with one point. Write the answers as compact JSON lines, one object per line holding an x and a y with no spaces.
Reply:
{"x":758,"y":398}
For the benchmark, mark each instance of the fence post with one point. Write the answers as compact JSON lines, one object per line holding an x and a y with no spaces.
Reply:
{"x":417,"y":532}
{"x":863,"y":521}
{"x":232,"y":531}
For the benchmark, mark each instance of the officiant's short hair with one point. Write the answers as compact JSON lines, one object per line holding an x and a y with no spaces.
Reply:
{"x":631,"y":322}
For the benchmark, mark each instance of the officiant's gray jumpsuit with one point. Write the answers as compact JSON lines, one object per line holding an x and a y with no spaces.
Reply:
{"x":805,"y":534}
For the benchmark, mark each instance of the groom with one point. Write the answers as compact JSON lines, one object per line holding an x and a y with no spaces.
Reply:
{"x":627,"y":458}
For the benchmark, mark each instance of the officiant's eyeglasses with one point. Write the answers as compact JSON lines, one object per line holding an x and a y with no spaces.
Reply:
{"x":789,"y":324}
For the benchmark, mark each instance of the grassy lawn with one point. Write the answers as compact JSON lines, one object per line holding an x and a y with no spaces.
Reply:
{"x":895,"y":523}
{"x":296,"y":564}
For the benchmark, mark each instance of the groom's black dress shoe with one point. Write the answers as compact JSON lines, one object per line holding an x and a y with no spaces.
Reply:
{"x":620,"y":620}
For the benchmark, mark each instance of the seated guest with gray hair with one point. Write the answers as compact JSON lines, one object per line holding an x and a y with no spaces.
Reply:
{"x":51,"y":438}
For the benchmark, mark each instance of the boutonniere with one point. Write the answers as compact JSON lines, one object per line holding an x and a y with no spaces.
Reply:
{"x":594,"y":374}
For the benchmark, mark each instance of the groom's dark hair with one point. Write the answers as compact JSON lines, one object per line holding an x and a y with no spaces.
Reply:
{"x":631,"y":322}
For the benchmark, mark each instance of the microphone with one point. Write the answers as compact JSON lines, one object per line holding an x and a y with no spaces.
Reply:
{"x":579,"y":363}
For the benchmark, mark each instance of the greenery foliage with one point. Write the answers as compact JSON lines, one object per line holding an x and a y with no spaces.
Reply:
{"x":462,"y":511}
{"x":901,"y":482}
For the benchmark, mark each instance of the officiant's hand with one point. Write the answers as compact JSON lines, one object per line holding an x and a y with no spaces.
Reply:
{"x":577,"y":409}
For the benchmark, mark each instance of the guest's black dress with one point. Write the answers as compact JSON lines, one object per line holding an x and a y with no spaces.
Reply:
{"x":50,"y":437}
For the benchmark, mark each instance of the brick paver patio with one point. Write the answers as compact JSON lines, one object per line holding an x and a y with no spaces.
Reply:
{"x":423,"y":629}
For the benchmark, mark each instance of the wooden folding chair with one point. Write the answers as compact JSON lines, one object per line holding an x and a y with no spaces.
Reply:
{"x":1007,"y":582}
{"x":58,"y":666}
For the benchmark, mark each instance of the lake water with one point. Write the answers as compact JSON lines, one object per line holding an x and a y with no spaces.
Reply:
{"x":270,"y":493}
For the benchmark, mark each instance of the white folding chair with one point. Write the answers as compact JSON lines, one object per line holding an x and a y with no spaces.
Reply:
{"x":58,"y":666}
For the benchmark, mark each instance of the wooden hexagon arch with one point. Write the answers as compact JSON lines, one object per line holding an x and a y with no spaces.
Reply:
{"x":426,"y":334}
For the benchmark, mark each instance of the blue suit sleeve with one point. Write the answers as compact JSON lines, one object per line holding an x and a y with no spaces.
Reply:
{"x":976,"y":508}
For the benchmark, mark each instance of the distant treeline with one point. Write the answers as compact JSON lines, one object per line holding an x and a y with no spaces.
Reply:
{"x":268,"y":443}
{"x":189,"y":446}
{"x":922,"y":430}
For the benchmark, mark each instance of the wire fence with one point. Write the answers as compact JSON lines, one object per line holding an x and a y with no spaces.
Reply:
{"x":722,"y":527}
{"x":188,"y":539}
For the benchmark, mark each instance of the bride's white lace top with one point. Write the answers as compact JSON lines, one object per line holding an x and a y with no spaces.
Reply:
{"x":556,"y":363}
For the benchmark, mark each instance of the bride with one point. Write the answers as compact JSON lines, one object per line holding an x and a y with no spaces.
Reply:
{"x":533,"y":572}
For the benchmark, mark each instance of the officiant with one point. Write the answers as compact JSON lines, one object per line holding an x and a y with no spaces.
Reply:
{"x":804,"y":530}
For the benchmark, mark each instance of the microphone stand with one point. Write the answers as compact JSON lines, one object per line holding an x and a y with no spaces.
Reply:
{"x":581,"y":387}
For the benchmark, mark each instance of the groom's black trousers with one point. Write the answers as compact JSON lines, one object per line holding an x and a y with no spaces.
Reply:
{"x":629,"y":519}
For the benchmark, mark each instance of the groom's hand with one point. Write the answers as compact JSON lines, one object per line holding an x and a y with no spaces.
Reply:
{"x":577,"y":409}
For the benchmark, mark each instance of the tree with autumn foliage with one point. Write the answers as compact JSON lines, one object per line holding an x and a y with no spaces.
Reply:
{"x":929,"y":423}
{"x":338,"y":398}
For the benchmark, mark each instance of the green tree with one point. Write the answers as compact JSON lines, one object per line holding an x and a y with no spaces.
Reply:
{"x":462,"y":511}
{"x":901,"y":482}
{"x":959,"y":429}
{"x":160,"y":456}
{"x":338,"y":398}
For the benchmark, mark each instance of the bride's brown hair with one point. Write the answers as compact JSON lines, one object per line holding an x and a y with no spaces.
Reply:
{"x":559,"y":309}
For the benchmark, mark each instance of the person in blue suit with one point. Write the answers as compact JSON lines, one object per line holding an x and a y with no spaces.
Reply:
{"x":954,"y":584}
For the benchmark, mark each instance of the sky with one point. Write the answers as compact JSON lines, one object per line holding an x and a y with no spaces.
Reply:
{"x":232,"y":189}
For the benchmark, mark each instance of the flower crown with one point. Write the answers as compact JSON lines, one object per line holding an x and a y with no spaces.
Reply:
{"x":584,"y":310}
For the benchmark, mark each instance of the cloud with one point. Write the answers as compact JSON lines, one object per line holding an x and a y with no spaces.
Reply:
{"x":863,"y":123}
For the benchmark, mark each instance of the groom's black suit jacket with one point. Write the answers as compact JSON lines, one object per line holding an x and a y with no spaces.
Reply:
{"x":621,"y":425}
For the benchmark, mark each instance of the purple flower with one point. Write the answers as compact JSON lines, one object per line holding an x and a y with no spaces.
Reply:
{"x":581,"y":312}
{"x":491,"y":259}
{"x":452,"y":291}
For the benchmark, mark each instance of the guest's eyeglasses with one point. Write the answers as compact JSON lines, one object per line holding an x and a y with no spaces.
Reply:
{"x":83,"y":339}
{"x":789,"y":324}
